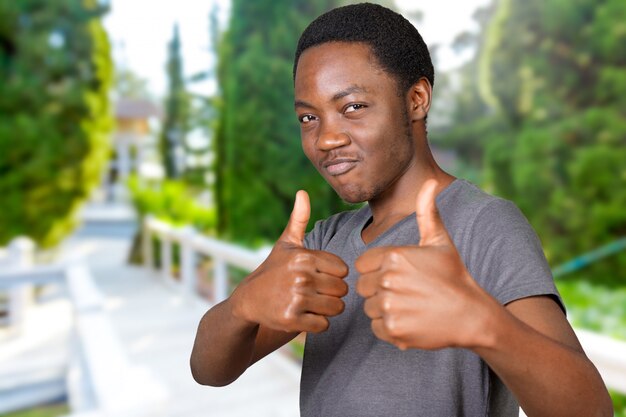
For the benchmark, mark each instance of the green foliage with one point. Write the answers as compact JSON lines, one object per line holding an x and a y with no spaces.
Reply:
{"x":542,"y":107}
{"x":56,"y":71}
{"x":619,"y":403}
{"x":595,"y":307}
{"x":598,"y":308}
{"x":129,"y":85}
{"x":259,"y":161}
{"x":173,"y":202}
{"x":554,"y":76}
{"x":177,"y":110}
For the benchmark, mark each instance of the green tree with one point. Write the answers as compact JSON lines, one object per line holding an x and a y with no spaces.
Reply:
{"x":555,"y":72}
{"x":259,"y":161}
{"x":56,"y":71}
{"x":177,"y":110}
{"x":129,"y":85}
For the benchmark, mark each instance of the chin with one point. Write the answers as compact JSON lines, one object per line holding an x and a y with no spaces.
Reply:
{"x":352,"y":195}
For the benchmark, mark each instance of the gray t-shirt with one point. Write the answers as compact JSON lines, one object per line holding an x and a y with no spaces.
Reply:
{"x":347,"y":371}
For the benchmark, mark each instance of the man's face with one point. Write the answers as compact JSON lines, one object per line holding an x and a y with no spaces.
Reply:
{"x":354,"y":126}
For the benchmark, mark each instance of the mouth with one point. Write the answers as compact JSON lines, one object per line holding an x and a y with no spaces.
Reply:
{"x":339,"y":166}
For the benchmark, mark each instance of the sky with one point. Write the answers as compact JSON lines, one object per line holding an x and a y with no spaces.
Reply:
{"x":140,"y":30}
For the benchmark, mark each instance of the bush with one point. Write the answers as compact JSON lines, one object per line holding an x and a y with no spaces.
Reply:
{"x":173,"y":202}
{"x":170,"y":201}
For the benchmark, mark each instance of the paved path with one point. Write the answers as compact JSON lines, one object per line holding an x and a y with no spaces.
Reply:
{"x":157,"y":325}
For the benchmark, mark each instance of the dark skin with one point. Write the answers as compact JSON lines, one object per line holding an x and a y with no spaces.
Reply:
{"x":370,"y":144}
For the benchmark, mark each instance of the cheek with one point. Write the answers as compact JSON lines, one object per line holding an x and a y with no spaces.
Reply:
{"x":308,"y":149}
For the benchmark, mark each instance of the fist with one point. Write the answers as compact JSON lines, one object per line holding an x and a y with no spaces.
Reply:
{"x":421,"y":297}
{"x":295,"y":289}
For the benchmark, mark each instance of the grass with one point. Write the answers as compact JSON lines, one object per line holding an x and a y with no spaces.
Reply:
{"x":51,"y":410}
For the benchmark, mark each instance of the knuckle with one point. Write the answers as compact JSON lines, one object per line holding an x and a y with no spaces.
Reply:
{"x":394,"y":257}
{"x":288,"y":322}
{"x":386,"y":305}
{"x":301,"y":258}
{"x":296,"y":301}
{"x":388,"y":281}
{"x":290,"y":315}
{"x":391,"y":325}
{"x":287,"y":317}
{"x":302,"y":280}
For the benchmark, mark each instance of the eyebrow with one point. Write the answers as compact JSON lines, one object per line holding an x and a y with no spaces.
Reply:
{"x":339,"y":95}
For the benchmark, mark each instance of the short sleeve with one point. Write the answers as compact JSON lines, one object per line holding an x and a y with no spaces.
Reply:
{"x":505,"y":255}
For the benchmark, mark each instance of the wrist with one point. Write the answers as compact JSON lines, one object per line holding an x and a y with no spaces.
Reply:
{"x":483,"y":333}
{"x":239,"y":307}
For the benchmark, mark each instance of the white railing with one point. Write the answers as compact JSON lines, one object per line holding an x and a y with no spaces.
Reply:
{"x":191,"y":245}
{"x":18,"y":256}
{"x":608,"y":354}
{"x":100,"y":379}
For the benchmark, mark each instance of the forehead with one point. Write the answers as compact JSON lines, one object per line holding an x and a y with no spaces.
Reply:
{"x":335,"y":66}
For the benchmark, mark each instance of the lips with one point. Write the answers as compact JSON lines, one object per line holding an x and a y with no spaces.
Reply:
{"x":339,"y":166}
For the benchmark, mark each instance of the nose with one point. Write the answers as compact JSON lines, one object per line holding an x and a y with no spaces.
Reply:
{"x":331,"y":137}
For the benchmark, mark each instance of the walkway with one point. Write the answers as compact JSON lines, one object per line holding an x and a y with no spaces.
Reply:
{"x":156,"y":325}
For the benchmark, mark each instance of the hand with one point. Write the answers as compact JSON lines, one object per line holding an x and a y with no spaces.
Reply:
{"x":295,"y":289}
{"x":422,"y":297}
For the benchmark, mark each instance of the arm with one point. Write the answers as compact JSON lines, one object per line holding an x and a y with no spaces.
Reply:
{"x":294,"y":290}
{"x":227,"y":345}
{"x":533,"y":349}
{"x":424,"y":297}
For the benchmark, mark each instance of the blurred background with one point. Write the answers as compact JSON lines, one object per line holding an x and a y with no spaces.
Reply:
{"x":149,"y":156}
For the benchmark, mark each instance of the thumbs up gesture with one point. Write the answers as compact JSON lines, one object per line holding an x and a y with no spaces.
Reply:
{"x":422,"y":297}
{"x":295,"y":289}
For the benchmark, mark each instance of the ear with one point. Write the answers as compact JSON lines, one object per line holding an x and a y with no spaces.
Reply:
{"x":418,"y":99}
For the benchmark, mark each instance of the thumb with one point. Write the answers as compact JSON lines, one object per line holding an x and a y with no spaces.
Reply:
{"x":296,"y":228}
{"x":432,"y":230}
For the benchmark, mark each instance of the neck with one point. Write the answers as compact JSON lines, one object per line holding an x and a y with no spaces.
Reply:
{"x":399,"y":200}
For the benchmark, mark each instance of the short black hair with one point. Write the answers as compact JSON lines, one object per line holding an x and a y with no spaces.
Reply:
{"x":394,"y":41}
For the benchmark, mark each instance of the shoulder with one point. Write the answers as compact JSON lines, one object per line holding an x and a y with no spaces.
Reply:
{"x":497,"y":243}
{"x":470,"y":211}
{"x":337,"y":224}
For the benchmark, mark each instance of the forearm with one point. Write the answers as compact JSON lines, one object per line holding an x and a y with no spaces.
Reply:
{"x":224,"y":346}
{"x":547,"y":377}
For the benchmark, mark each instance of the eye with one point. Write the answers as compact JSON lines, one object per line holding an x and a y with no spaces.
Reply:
{"x":353,"y":107}
{"x":306,"y":118}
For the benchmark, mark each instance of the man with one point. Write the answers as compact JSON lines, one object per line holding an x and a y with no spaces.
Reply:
{"x":435,"y":298}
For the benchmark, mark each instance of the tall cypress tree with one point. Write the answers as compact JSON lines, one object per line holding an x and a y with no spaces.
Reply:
{"x":55,"y":115}
{"x":260,"y":163}
{"x":177,"y":107}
